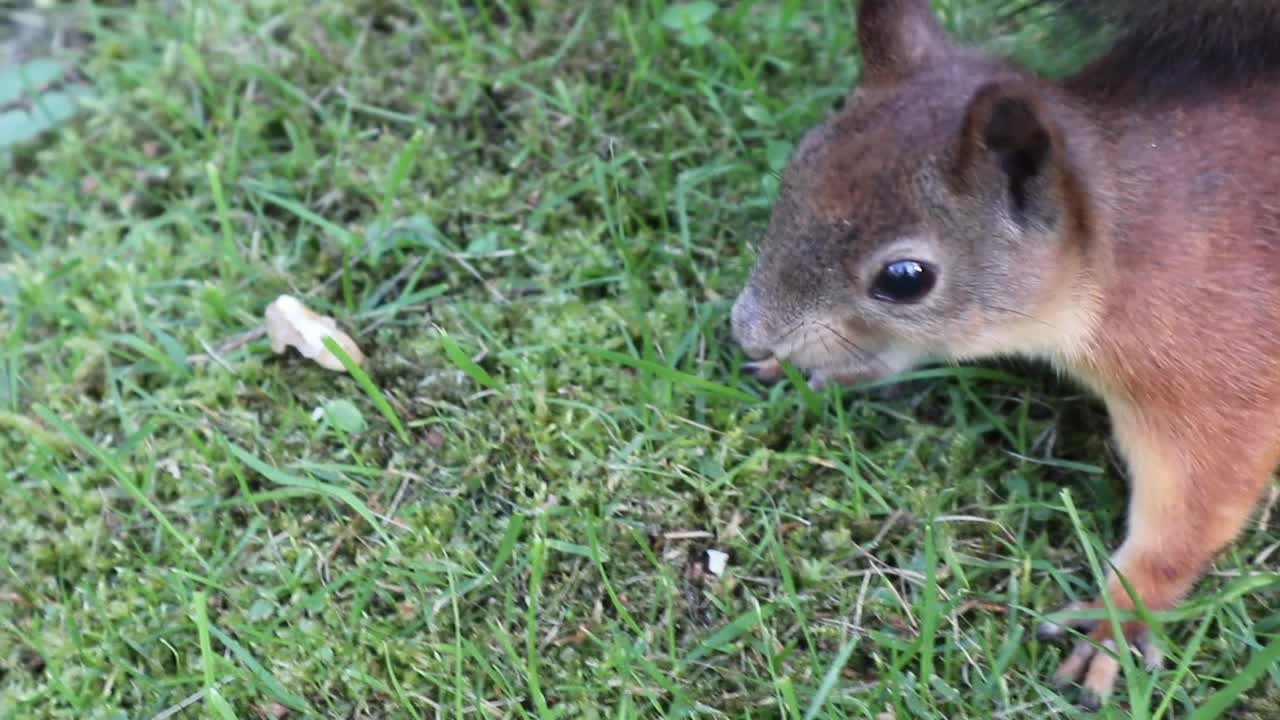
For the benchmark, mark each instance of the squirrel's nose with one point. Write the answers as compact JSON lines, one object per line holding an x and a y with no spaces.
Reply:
{"x":745,"y":321}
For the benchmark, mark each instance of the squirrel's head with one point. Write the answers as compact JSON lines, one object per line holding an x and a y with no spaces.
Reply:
{"x":936,"y":215}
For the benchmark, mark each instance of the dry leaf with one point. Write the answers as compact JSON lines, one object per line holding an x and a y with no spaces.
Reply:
{"x":290,"y":323}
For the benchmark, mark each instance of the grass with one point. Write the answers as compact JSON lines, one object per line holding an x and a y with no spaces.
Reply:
{"x":533,"y":217}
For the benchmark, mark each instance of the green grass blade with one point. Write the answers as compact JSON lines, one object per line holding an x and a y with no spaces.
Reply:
{"x":219,"y":706}
{"x":122,"y":477}
{"x":1220,"y":701}
{"x":830,"y":679}
{"x":200,"y":614}
{"x":370,"y":389}
{"x":343,"y":495}
{"x":1138,"y":701}
{"x":265,"y":678}
{"x":727,"y":634}
{"x":666,"y":373}
{"x":466,"y":364}
{"x":1184,"y":665}
{"x":227,"y":259}
{"x":400,"y":171}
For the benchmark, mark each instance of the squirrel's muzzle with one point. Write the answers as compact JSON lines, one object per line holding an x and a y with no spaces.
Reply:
{"x":748,"y":325}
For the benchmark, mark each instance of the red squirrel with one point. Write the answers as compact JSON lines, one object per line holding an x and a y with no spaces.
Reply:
{"x":1122,"y":224}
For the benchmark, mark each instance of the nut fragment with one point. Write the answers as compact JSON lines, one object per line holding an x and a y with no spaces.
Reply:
{"x":290,"y":323}
{"x":716,"y":562}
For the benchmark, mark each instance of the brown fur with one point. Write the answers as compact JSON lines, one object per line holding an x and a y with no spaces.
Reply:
{"x":1127,"y":233}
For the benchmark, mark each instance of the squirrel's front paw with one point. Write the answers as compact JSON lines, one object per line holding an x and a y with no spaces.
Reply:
{"x":767,"y":371}
{"x":1095,"y":659}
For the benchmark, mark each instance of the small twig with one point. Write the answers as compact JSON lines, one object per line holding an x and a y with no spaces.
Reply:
{"x":462,"y":261}
{"x":687,"y":535}
{"x":1265,"y":554}
{"x":216,"y":356}
{"x":399,"y":497}
{"x":188,"y":701}
{"x":234,"y":343}
{"x":895,"y":517}
{"x":1273,"y":498}
{"x":862,"y":599}
{"x":979,"y":605}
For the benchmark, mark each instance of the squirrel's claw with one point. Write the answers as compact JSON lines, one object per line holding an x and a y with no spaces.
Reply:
{"x":1096,"y":669}
{"x":1050,"y":630}
{"x":819,"y":379}
{"x":767,"y":371}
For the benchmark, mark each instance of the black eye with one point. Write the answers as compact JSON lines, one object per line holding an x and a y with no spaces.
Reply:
{"x":903,"y":281}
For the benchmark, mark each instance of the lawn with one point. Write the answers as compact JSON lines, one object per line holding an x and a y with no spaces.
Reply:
{"x":532,"y":216}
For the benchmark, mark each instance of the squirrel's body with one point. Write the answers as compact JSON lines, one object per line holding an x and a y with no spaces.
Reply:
{"x":1123,"y":224}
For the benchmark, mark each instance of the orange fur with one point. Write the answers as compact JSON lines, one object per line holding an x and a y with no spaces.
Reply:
{"x":1126,"y":231}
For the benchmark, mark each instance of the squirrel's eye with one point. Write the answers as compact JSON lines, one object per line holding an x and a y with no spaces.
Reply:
{"x":903,"y":281}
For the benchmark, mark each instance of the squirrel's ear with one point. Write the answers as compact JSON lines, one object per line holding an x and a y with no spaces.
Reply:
{"x":1008,"y":135}
{"x":897,"y":37}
